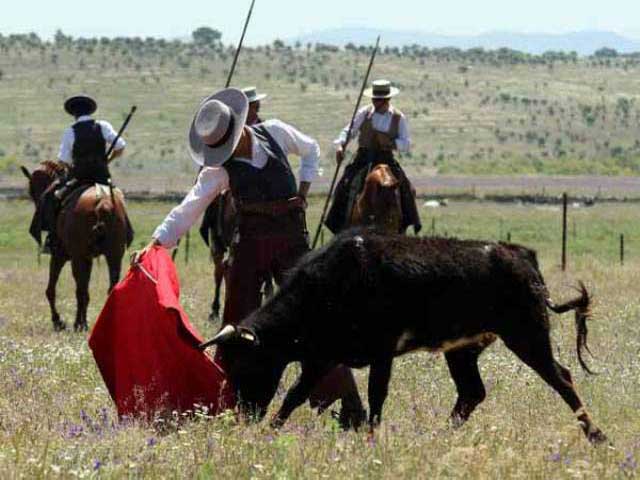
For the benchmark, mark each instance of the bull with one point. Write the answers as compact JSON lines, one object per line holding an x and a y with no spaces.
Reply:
{"x":366,"y":298}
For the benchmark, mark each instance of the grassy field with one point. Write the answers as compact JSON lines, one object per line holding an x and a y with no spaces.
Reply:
{"x":57,"y":420}
{"x":469,"y":114}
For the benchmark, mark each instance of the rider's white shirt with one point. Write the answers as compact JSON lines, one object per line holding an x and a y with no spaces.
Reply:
{"x":68,"y":137}
{"x":380,"y":122}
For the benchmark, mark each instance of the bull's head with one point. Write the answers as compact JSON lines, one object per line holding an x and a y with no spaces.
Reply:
{"x":254,"y":370}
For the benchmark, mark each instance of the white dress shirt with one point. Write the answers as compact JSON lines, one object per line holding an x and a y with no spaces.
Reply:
{"x":68,"y":137}
{"x":214,"y":180}
{"x":380,"y":122}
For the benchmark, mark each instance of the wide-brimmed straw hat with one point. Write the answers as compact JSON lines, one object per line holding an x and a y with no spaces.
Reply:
{"x":381,"y":89}
{"x":253,"y":95}
{"x":79,"y":105}
{"x":217,"y":127}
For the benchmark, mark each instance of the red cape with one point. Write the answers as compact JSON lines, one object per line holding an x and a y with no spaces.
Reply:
{"x":145,"y":346}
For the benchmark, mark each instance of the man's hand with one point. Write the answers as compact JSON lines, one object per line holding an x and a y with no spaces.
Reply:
{"x":115,"y":154}
{"x":339,"y":154}
{"x":136,"y":256}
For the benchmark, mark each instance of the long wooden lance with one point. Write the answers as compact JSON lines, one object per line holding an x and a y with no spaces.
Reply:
{"x":229,"y":78}
{"x":344,"y":145}
{"x":113,"y":146}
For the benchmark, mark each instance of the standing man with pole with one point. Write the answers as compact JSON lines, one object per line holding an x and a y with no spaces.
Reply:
{"x":253,"y":162}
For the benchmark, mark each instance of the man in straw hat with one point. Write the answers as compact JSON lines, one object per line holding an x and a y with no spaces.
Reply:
{"x":252,"y":162}
{"x":81,"y":155}
{"x":254,"y":104}
{"x":382,"y":129}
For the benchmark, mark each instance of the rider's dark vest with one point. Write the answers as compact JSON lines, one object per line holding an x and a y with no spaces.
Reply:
{"x":275,"y":181}
{"x":89,"y":147}
{"x":372,"y":139}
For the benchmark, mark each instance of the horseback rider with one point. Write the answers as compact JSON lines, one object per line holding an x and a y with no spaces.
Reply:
{"x":82,"y":156}
{"x":382,"y":129}
{"x":254,"y":104}
{"x":272,"y":235}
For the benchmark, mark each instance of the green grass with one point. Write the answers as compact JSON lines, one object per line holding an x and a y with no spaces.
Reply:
{"x":57,"y":419}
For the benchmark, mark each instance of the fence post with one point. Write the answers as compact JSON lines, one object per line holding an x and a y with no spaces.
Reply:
{"x":564,"y":231}
{"x":433,"y":226}
{"x":622,"y":249}
{"x":508,"y":237}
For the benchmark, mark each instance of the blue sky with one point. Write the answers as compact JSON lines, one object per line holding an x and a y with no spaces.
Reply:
{"x":288,"y":18}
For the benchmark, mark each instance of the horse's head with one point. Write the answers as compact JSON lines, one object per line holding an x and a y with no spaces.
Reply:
{"x":41,"y":178}
{"x":379,"y":203}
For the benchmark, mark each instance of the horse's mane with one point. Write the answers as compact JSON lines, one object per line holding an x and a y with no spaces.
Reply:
{"x":51,"y":168}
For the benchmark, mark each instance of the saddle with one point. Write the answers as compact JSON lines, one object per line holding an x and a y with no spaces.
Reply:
{"x":102,"y":191}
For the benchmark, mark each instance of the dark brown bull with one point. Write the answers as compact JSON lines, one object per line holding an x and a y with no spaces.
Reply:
{"x":367,"y":298}
{"x":87,"y":227}
{"x":378,"y":205}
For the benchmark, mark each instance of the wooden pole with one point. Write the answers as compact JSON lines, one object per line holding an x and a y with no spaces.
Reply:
{"x":433,"y":226}
{"x":564,"y":232}
{"x":187,"y":245}
{"x":622,"y":249}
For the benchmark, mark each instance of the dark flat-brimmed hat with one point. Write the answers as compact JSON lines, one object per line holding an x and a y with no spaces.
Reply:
{"x":217,"y":127}
{"x":80,"y":105}
{"x":253,"y":95}
{"x":381,"y":89}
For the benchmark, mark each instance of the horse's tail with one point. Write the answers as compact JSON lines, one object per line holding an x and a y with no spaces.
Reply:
{"x":105,"y":215}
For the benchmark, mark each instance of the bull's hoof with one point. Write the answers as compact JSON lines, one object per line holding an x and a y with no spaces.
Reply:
{"x":59,"y":326}
{"x":596,"y":437}
{"x":349,"y":418}
{"x":276,"y":423}
{"x":214,"y":316}
{"x":80,"y":327}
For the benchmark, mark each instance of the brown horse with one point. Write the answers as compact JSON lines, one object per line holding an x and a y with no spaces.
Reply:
{"x":89,"y":224}
{"x":378,"y":205}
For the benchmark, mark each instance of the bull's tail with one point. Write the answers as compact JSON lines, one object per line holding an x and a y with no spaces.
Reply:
{"x":581,"y":306}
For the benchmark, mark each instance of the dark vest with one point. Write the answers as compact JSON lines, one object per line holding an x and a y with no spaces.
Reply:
{"x":89,"y":148}
{"x":275,"y":181}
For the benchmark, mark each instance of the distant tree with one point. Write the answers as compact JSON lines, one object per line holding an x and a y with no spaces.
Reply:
{"x":606,"y":53}
{"x":62,"y":40}
{"x":206,"y":36}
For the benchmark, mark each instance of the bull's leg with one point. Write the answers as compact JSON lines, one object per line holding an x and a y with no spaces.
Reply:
{"x":81,"y":273}
{"x":55,"y":267}
{"x":463,"y":366}
{"x":339,"y":384}
{"x":218,"y":276}
{"x":535,"y":350}
{"x":379,"y":376}
{"x":299,"y":392}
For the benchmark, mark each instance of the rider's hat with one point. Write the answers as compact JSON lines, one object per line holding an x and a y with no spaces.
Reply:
{"x":79,"y":105}
{"x":381,"y":89}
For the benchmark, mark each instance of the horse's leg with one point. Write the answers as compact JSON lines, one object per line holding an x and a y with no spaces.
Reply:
{"x":218,"y":277}
{"x":55,"y":267}
{"x":81,"y":273}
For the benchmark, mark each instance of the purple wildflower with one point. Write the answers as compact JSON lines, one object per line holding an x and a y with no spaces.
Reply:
{"x":97,"y":464}
{"x":151,"y":442}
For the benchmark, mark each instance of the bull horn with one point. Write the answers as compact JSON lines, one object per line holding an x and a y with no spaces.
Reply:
{"x":227,"y":333}
{"x":26,"y":173}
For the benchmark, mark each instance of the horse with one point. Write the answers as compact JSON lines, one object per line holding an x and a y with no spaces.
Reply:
{"x":90,"y":223}
{"x":220,"y":224}
{"x":378,"y":204}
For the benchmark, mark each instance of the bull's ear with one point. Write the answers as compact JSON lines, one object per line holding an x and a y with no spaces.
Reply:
{"x":224,"y":335}
{"x":25,"y":172}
